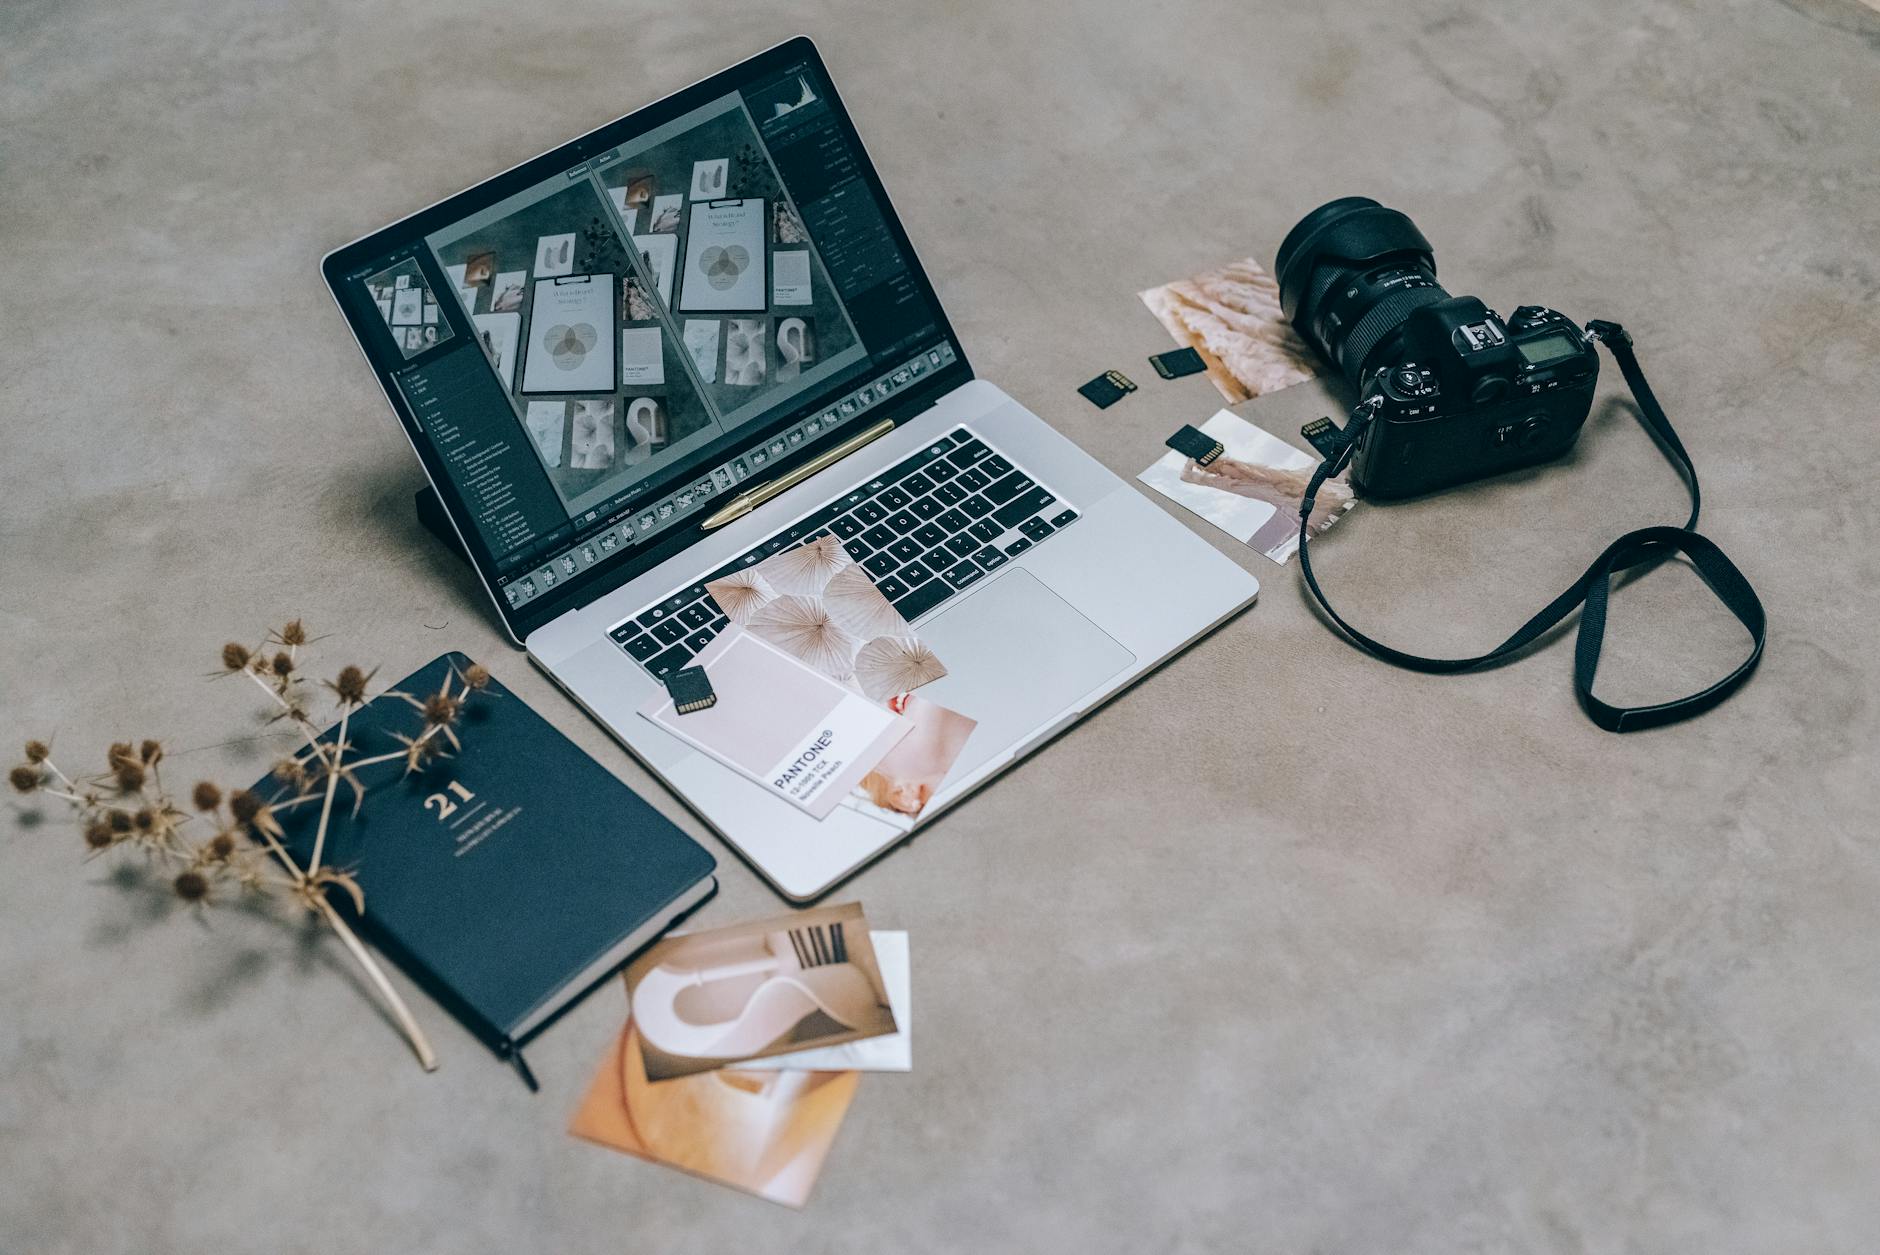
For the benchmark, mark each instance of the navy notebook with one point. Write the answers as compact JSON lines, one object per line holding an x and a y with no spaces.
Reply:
{"x":508,"y":878}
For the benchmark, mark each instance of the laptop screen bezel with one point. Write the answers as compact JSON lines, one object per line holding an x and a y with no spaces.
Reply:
{"x":342,"y":263}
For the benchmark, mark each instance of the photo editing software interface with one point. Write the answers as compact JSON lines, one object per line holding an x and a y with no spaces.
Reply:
{"x":597,"y":359}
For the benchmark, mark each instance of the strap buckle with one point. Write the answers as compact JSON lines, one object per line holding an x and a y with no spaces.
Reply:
{"x":1608,"y":332}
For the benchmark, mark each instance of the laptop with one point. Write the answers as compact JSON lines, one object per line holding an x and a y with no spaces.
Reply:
{"x":698,"y":336}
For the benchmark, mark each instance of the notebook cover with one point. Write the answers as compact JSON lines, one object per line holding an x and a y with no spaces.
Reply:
{"x":495,"y":901}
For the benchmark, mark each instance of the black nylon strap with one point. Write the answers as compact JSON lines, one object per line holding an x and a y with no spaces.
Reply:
{"x":1592,"y":589}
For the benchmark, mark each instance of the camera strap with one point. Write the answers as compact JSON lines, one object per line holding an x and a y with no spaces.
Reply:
{"x":1592,"y":589}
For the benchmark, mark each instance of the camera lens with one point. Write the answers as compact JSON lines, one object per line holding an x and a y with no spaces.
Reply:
{"x":1349,"y":275}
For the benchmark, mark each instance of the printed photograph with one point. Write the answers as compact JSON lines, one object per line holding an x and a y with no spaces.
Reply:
{"x":907,"y":777}
{"x":1231,"y":316}
{"x":893,"y":1052}
{"x":592,"y":446}
{"x":796,"y":346}
{"x":1253,"y":490}
{"x":764,"y":1132}
{"x":705,"y":1000}
{"x":816,"y":604}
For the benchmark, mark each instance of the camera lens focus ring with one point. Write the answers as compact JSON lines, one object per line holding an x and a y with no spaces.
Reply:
{"x":1379,"y":322}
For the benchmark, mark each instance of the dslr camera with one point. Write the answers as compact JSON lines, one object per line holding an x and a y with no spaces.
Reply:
{"x":1456,"y":392}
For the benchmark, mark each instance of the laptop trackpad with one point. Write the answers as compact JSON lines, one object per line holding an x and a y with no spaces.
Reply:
{"x":1017,"y":657}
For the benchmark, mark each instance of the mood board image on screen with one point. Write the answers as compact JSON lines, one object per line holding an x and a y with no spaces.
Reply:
{"x":639,"y":308}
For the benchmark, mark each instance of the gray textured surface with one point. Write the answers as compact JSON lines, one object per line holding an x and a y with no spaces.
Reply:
{"x":1285,"y":950}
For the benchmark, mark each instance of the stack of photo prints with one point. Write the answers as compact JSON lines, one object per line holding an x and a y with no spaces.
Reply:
{"x":743,"y":1047}
{"x":1253,"y":489}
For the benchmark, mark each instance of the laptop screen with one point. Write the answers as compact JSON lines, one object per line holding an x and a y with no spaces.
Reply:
{"x":599,"y":354}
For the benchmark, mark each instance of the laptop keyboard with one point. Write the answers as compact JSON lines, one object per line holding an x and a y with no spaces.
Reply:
{"x":925,"y":530}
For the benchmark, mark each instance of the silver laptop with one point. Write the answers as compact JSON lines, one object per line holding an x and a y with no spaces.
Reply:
{"x":698,"y":336}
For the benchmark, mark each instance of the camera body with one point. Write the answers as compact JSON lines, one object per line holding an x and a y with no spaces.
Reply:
{"x":1457,"y":393}
{"x":1473,"y":396}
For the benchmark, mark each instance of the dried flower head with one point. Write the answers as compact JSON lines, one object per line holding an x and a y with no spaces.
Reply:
{"x":294,"y":633}
{"x":441,"y":709}
{"x":206,"y":796}
{"x":145,"y":820}
{"x":235,"y":656}
{"x":221,"y":846}
{"x":283,"y":664}
{"x":290,"y":771}
{"x":477,"y":676}
{"x":130,"y":776}
{"x":37,"y":752}
{"x":121,"y":754}
{"x":351,"y":685}
{"x":119,"y":820}
{"x":150,"y":751}
{"x":244,"y":806}
{"x":191,"y":887}
{"x":26,"y":777}
{"x":98,"y":834}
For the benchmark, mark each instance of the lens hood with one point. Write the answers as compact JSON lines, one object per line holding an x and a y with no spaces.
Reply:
{"x":1351,"y":231}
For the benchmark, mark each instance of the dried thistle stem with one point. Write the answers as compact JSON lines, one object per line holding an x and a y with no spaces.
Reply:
{"x":332,"y":787}
{"x":420,"y":1045}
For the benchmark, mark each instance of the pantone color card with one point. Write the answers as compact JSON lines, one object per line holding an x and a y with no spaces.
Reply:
{"x":782,"y":724}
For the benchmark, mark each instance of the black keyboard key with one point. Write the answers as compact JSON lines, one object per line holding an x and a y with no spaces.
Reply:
{"x":1014,"y":485}
{"x":921,"y":600}
{"x":1036,"y":529}
{"x":669,"y":631}
{"x":952,"y":494}
{"x":625,"y":630}
{"x":880,"y":564}
{"x":696,"y":615}
{"x":995,"y":466}
{"x":718,"y":625}
{"x":941,"y":471}
{"x":954,"y":521}
{"x":652,"y":616}
{"x":965,"y":455}
{"x":699,"y":640}
{"x":902,"y":522}
{"x":930,"y":534}
{"x":870,"y":512}
{"x":665,"y":664}
{"x":928,"y":507}
{"x":963,"y":545}
{"x":1018,"y":546}
{"x":894,"y":499}
{"x":917,"y":484}
{"x":857,"y":548}
{"x":1016,"y":511}
{"x":906,"y":550}
{"x":1065,"y":519}
{"x":913,"y":574}
{"x":879,"y":536}
{"x":642,"y":646}
{"x":973,"y":480}
{"x":977,"y":507}
{"x":846,"y":526}
{"x":963,"y":574}
{"x":990,"y":558}
{"x":891,"y":587}
{"x":984,"y":529}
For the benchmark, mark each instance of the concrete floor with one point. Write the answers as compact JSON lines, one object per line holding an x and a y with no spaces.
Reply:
{"x":1285,"y":950}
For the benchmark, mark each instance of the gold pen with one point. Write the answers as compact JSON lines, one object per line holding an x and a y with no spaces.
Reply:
{"x":745,"y":502}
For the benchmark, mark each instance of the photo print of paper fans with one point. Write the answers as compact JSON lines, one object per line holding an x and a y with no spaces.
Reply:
{"x":803,"y":628}
{"x":546,"y":421}
{"x":744,"y":352}
{"x":816,"y":604}
{"x":592,"y":446}
{"x":889,"y":666}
